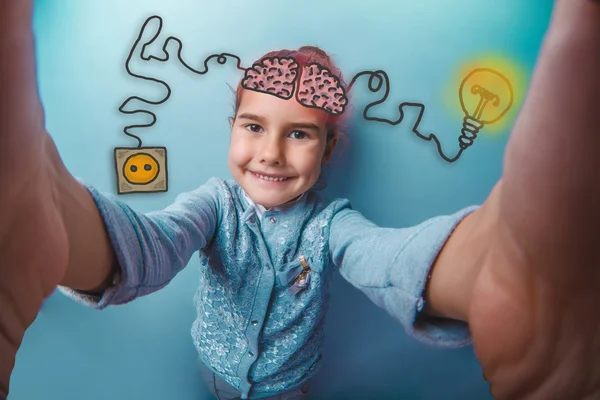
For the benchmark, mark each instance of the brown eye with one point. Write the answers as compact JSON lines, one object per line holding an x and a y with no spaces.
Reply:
{"x":298,"y":135}
{"x":253,"y":128}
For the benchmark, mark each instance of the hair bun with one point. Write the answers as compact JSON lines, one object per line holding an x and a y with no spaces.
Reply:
{"x":313,"y":50}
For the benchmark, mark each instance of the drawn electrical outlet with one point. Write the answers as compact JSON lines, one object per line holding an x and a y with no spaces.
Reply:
{"x":141,"y":169}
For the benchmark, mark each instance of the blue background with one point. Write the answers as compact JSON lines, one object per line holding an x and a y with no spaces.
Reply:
{"x":143,"y":350}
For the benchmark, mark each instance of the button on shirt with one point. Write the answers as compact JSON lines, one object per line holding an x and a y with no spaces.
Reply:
{"x":254,"y":313}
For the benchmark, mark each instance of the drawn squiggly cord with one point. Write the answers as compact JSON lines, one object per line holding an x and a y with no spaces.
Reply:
{"x":470,"y":128}
{"x":319,"y":88}
{"x":221,"y":59}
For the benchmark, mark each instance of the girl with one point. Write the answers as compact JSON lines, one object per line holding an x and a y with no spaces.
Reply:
{"x":521,"y":269}
{"x":268,"y":241}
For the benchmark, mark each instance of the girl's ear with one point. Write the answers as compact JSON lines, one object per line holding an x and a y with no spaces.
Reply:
{"x":331,"y":143}
{"x":231,"y":121}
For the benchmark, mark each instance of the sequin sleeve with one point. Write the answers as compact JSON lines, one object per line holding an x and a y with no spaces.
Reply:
{"x":152,"y":248}
{"x":391,"y":266}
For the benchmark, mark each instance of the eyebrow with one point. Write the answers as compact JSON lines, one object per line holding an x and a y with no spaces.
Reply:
{"x":300,"y":125}
{"x":253,"y":117}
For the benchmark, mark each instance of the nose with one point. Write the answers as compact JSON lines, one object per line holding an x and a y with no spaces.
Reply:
{"x":271,"y":151}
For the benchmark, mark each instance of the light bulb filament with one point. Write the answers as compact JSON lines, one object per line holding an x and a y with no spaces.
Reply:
{"x":485,"y":96}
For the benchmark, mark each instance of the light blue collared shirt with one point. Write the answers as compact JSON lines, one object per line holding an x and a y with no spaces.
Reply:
{"x":251,"y":329}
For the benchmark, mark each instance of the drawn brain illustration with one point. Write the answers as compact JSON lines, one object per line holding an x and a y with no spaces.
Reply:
{"x":318,"y":87}
{"x":274,"y":75}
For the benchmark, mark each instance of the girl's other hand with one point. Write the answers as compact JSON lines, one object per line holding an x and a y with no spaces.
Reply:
{"x":534,"y":309}
{"x":33,"y":242}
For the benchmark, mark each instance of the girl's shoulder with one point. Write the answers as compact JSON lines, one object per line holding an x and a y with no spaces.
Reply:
{"x":218,"y":187}
{"x":325,"y":206}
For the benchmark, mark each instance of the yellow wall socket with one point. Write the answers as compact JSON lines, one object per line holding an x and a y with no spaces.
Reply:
{"x":141,"y":169}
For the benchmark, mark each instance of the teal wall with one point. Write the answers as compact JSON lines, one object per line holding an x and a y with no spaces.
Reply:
{"x":144,"y":350}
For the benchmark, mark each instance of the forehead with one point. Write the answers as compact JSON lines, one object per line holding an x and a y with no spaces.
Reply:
{"x":277,"y":109}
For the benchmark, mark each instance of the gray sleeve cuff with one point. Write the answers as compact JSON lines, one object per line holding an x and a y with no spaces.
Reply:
{"x":415,"y":260}
{"x":392,"y":265}
{"x":152,"y":248}
{"x":124,"y":239}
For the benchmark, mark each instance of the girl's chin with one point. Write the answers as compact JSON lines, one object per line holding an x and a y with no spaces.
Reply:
{"x":271,"y":199}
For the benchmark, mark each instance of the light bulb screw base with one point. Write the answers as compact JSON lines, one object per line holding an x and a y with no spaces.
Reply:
{"x":470,"y":129}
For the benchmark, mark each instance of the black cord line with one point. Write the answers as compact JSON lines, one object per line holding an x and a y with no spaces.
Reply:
{"x":377,"y":79}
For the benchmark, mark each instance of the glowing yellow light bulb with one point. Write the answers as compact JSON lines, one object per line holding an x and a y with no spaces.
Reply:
{"x":485,"y":97}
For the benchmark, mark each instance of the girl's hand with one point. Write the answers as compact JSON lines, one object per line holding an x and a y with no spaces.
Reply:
{"x":33,"y":242}
{"x":536,"y":336}
{"x":533,"y":312}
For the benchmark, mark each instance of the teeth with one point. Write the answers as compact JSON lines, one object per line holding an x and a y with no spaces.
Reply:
{"x":268,"y":178}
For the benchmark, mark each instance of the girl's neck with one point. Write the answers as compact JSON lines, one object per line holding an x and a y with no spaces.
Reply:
{"x":262,"y":208}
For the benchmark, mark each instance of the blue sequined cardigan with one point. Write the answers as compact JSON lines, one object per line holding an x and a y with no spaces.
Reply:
{"x":264,"y":285}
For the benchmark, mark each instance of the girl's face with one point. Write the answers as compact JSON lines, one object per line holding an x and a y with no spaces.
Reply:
{"x":277,"y":148}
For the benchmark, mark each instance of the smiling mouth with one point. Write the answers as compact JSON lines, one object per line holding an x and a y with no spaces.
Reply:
{"x":270,"y":178}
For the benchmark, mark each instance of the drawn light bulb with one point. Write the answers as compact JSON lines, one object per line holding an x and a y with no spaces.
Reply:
{"x":485,"y":97}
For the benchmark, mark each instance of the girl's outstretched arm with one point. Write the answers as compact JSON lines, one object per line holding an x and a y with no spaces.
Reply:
{"x":52,"y":228}
{"x":34,"y":250}
{"x":535,"y":272}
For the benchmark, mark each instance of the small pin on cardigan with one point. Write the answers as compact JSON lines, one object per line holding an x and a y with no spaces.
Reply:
{"x":303,"y":279}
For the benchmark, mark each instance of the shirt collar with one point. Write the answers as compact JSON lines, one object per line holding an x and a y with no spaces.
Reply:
{"x":260,"y":210}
